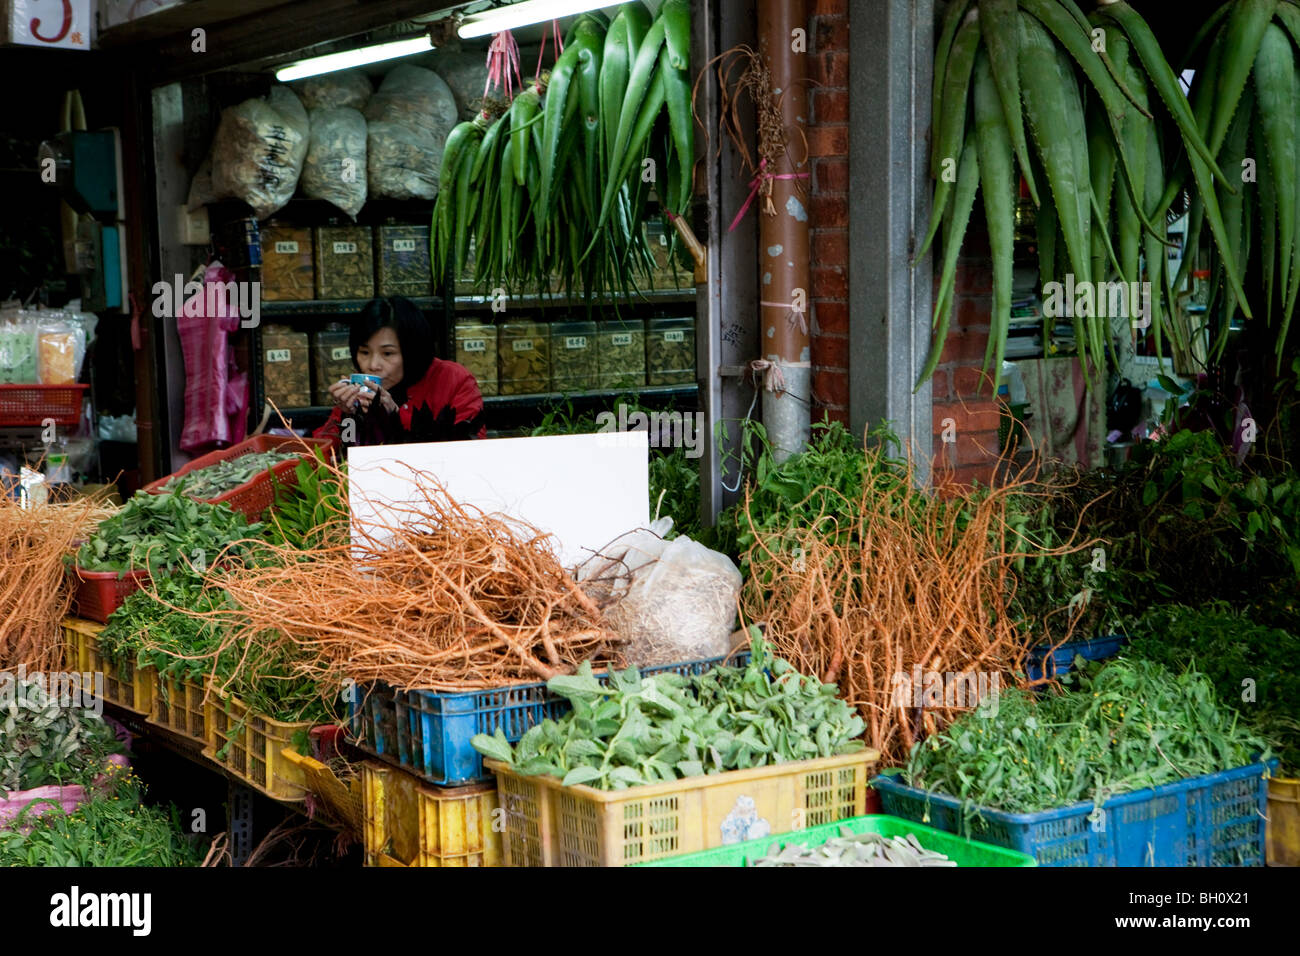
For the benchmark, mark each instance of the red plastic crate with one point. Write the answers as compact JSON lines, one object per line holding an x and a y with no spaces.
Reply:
{"x":29,"y":405}
{"x":100,"y":593}
{"x":254,"y":498}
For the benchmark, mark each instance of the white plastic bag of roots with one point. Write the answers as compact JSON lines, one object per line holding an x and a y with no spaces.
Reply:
{"x":336,"y":159}
{"x":350,"y":88}
{"x":678,"y":598}
{"x":259,"y":149}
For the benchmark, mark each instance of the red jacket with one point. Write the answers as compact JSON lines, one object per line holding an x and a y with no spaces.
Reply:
{"x":447,"y":389}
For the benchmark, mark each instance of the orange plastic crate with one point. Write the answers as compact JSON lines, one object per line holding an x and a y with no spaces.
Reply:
{"x":99,"y":593}
{"x":33,"y":405}
{"x":255,"y":497}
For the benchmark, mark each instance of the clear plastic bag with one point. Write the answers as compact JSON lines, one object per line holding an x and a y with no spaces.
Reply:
{"x":680,"y":604}
{"x":335,"y":169}
{"x":18,"y":348}
{"x":259,"y":150}
{"x":61,"y":348}
{"x":347,"y":88}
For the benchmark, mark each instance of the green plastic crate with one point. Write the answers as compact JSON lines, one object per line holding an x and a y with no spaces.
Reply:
{"x":964,"y":852}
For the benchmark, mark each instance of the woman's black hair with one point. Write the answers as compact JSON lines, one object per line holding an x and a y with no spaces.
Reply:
{"x":415,"y":335}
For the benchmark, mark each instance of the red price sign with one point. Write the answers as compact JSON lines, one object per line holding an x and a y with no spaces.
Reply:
{"x":61,"y":23}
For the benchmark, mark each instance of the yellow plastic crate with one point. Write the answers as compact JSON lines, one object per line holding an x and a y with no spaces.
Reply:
{"x":178,"y":705}
{"x":342,"y":800}
{"x":250,"y":746}
{"x":549,"y":824}
{"x":408,"y":823}
{"x":130,"y":687}
{"x":1283,"y":826}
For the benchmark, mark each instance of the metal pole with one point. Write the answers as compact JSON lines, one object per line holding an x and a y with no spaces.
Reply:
{"x":889,"y":297}
{"x":784,"y":276}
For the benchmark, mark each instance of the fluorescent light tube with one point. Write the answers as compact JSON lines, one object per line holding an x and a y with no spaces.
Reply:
{"x":522,"y":14}
{"x":350,"y":58}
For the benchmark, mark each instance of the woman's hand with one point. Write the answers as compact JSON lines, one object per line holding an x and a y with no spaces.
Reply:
{"x":349,"y":397}
{"x":386,"y":401}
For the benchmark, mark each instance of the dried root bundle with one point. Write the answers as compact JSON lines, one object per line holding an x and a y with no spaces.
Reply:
{"x":440,"y":597}
{"x":898,"y":584}
{"x":34,"y":596}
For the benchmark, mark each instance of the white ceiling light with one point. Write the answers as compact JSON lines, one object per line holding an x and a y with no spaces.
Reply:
{"x":350,"y":58}
{"x":522,"y":14}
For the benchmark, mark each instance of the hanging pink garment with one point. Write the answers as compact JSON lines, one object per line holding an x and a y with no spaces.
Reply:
{"x":216,"y":393}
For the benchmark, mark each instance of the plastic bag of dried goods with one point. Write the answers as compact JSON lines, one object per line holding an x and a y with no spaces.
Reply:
{"x":401,"y":162}
{"x":350,"y":88}
{"x":18,"y":348}
{"x":467,"y":76}
{"x":259,"y":150}
{"x":680,"y":607}
{"x":61,"y":348}
{"x":335,"y":169}
{"x":416,"y":98}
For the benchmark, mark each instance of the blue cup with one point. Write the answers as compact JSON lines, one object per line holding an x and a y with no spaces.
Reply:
{"x":368,"y":383}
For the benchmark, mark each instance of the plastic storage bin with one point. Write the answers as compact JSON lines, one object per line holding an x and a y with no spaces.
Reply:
{"x":288,"y":273}
{"x":523,"y":358}
{"x":429,"y":733}
{"x":409,"y":824}
{"x":549,"y":824}
{"x":670,"y":351}
{"x":331,"y":361}
{"x":402,"y":260}
{"x":1044,"y":662}
{"x":620,"y":353}
{"x":1212,"y":820}
{"x":476,"y":349}
{"x":961,"y":851}
{"x":286,"y":367}
{"x":345,"y":262}
{"x":574,"y":365}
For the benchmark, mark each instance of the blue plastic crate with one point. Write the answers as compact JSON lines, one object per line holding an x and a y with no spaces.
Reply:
{"x":1062,"y":659}
{"x":428,"y":733}
{"x":1212,"y":820}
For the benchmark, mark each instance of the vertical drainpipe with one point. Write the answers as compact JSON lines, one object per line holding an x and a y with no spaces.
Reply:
{"x":783,"y":267}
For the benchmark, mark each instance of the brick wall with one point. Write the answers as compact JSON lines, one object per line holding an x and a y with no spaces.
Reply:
{"x":965,"y":412}
{"x":828,"y":146}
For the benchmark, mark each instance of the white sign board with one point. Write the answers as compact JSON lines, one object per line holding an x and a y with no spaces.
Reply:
{"x":69,"y":24}
{"x":586,"y":490}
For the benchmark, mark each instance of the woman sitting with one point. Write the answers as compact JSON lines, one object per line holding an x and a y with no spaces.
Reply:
{"x":420,"y":398}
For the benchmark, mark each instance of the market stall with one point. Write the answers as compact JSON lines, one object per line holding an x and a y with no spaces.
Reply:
{"x":457,"y":548}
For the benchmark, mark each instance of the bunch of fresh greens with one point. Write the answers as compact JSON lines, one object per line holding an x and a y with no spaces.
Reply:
{"x":152,"y":630}
{"x":165,"y":627}
{"x":1254,"y":668}
{"x":311,"y":513}
{"x":116,"y":830}
{"x":226,"y":475}
{"x":1128,"y":725}
{"x":42,"y":742}
{"x":641,"y":730}
{"x":163,"y":533}
{"x":826,"y":479}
